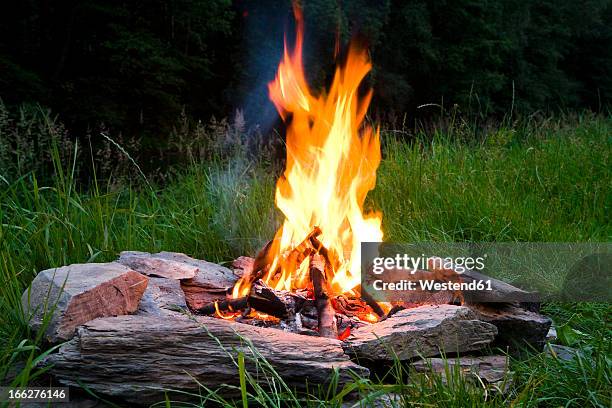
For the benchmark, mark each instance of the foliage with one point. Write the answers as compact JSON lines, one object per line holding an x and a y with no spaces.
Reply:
{"x":129,"y":65}
{"x":134,"y":66}
{"x":28,"y":139}
{"x":528,"y":182}
{"x":494,"y":56}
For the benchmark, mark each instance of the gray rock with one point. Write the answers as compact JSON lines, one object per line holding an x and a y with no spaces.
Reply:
{"x":79,"y":293}
{"x":169,"y":265}
{"x":516,"y":327}
{"x":210,"y":283}
{"x":493,"y":371}
{"x":490,"y":369}
{"x":501,"y":292}
{"x":202,"y":282}
{"x":162,"y":295}
{"x":137,"y":357}
{"x":423,"y":331}
{"x":561,"y":352}
{"x":390,"y":400}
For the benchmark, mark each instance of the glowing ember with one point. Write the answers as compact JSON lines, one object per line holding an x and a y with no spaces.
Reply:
{"x":228,"y":316}
{"x":332,"y":157}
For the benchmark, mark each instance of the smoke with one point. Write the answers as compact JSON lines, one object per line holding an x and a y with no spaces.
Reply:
{"x":264,"y":24}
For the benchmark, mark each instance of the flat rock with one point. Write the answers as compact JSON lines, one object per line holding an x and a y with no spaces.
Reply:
{"x":78,"y":293}
{"x":516,"y":326}
{"x":202,"y":282}
{"x":390,"y":400}
{"x":501,"y":292}
{"x":560,"y":352}
{"x":490,"y":369}
{"x":136,"y":358}
{"x":244,"y":263}
{"x":422,"y":331}
{"x":162,"y":295}
{"x":171,"y":265}
{"x":211,"y":282}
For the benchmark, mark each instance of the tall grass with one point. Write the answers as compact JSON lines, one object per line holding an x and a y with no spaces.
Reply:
{"x":545,"y":181}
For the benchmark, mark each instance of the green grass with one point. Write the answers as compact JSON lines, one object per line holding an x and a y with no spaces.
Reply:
{"x":540,"y":181}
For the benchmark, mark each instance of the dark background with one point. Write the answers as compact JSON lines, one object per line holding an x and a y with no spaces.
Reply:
{"x":134,"y":66}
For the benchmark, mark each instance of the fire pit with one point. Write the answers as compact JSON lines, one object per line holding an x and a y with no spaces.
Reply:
{"x":131,"y":330}
{"x":151,"y":322}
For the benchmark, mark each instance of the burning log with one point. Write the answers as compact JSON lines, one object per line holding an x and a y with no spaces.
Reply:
{"x":394,"y":310}
{"x":329,"y":256}
{"x":304,"y":248}
{"x":372,"y":303}
{"x":295,"y":310}
{"x":227,"y":305}
{"x":326,"y":314}
{"x":262,"y":260}
{"x":263,"y":299}
{"x":260,"y":263}
{"x":349,"y":306}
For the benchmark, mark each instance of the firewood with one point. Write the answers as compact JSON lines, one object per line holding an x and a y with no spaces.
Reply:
{"x":294,"y":257}
{"x":223,"y":306}
{"x":349,"y":306}
{"x":372,"y":303}
{"x":263,"y":259}
{"x":329,"y":256}
{"x":303,"y":250}
{"x":259,"y":265}
{"x":263,"y":299}
{"x":326,"y":314}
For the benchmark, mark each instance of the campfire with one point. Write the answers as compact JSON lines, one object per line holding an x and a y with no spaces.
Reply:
{"x":150,"y":323}
{"x":308,"y":276}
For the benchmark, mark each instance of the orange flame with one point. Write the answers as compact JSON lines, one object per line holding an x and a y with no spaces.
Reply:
{"x":332,"y":157}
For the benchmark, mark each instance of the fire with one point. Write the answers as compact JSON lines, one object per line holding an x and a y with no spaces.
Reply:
{"x":332,"y":157}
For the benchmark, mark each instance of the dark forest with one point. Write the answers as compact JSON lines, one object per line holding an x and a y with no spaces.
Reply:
{"x":135,"y":66}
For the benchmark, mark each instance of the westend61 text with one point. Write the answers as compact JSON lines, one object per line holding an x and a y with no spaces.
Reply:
{"x":432,"y":285}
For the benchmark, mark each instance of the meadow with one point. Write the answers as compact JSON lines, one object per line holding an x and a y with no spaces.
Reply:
{"x":546,"y":179}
